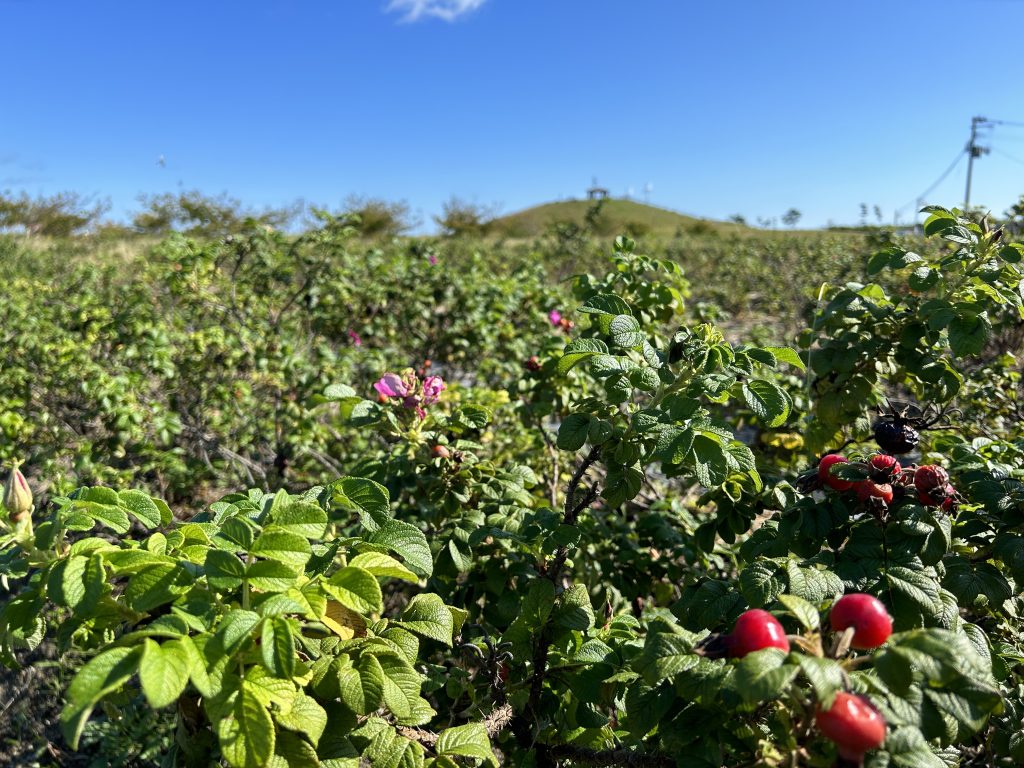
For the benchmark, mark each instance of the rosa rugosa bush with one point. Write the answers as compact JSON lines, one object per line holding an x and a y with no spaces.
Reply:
{"x":549,"y":564}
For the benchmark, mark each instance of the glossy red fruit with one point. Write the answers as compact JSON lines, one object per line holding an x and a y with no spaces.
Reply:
{"x":853,"y":724}
{"x":929,"y":477}
{"x":532,"y":363}
{"x":756,"y":629}
{"x":441,"y":451}
{"x":867,"y":615}
{"x":869,"y":489}
{"x":883,"y":468}
{"x":826,"y":476}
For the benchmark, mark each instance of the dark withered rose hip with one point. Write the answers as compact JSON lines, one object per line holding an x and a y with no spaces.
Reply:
{"x":896,"y":437}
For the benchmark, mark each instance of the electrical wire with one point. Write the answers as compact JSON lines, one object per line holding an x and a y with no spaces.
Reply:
{"x":1007,"y":155}
{"x":942,"y":178}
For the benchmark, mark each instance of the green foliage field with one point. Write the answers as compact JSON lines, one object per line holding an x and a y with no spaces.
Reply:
{"x":331,"y":499}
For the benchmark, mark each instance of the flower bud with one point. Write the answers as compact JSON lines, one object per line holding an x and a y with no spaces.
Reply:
{"x":17,"y":495}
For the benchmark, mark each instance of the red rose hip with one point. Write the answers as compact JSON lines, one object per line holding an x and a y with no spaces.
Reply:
{"x":883,"y":468}
{"x":869,"y":489}
{"x":826,"y":476}
{"x":871,"y":623}
{"x":756,"y":629}
{"x":928,"y":477}
{"x":853,"y":724}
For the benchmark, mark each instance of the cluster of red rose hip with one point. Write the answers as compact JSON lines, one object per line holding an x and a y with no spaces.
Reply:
{"x":852,"y":722}
{"x":888,"y":481}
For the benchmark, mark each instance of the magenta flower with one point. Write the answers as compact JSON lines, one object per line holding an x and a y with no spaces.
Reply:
{"x":414,"y":393}
{"x":555,"y":316}
{"x":357,"y":340}
{"x":391,"y":385}
{"x":433,"y":386}
{"x":432,"y":259}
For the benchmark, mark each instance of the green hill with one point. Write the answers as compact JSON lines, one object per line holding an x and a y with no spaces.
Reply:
{"x":613,"y":217}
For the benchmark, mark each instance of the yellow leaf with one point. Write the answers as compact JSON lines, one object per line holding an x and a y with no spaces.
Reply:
{"x":343,"y":622}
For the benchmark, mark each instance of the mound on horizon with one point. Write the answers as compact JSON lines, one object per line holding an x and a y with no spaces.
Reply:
{"x":614,"y":216}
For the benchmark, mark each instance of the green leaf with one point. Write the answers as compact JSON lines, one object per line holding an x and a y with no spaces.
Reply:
{"x":390,"y":750}
{"x":787,"y":355}
{"x":427,"y":615}
{"x":356,"y":589}
{"x":579,"y":350}
{"x":302,"y":518}
{"x":271,"y":575}
{"x":625,"y":332}
{"x":605,"y":304}
{"x":408,"y":542}
{"x":573,"y":432}
{"x":760,"y":583}
{"x":305,"y":716}
{"x":246,"y":736}
{"x":968,"y":334}
{"x":283,"y":546}
{"x":665,"y":655}
{"x":467,"y":740}
{"x":401,"y":685}
{"x":919,"y":589}
{"x":362,"y":687}
{"x":224,"y":571}
{"x":141,"y":507}
{"x":803,"y":611}
{"x":767,"y":400}
{"x":235,"y":628}
{"x":764,"y":675}
{"x":76,"y":582}
{"x":277,"y":647}
{"x":674,"y":445}
{"x":574,"y":610}
{"x":102,"y":675}
{"x":164,"y":670}
{"x":156,"y":585}
{"x":710,"y":463}
{"x":383,"y":566}
{"x":365,"y":497}
{"x":824,"y":675}
{"x":292,"y":751}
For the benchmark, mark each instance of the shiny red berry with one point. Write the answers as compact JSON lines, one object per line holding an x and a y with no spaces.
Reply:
{"x":532,"y":364}
{"x":929,"y":477}
{"x":441,"y":451}
{"x":883,"y":468}
{"x":867,"y":490}
{"x":871,"y":623}
{"x":853,"y":723}
{"x":756,"y":629}
{"x":825,"y":473}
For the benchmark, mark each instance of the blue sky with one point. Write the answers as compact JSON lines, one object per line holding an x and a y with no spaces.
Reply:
{"x":721,"y":107}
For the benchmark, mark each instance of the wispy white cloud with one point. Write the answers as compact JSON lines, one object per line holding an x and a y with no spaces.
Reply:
{"x":448,"y":10}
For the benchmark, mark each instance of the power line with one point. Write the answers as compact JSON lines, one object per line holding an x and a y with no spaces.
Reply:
{"x":1007,"y":155}
{"x":917,"y":200}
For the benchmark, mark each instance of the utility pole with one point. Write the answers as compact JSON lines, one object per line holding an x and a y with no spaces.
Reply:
{"x":973,"y":151}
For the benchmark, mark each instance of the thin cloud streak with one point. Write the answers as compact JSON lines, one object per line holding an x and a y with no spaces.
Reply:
{"x":446,"y":10}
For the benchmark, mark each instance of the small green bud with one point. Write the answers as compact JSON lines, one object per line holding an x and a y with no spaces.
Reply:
{"x":17,"y":495}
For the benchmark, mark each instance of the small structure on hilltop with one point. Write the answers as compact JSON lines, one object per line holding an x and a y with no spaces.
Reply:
{"x":595,"y":192}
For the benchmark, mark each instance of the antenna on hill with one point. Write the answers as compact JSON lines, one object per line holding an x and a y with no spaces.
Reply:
{"x":648,"y":188}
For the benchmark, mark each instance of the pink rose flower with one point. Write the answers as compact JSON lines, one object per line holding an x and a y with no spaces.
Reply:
{"x":391,"y":385}
{"x":555,"y":317}
{"x":433,"y":386}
